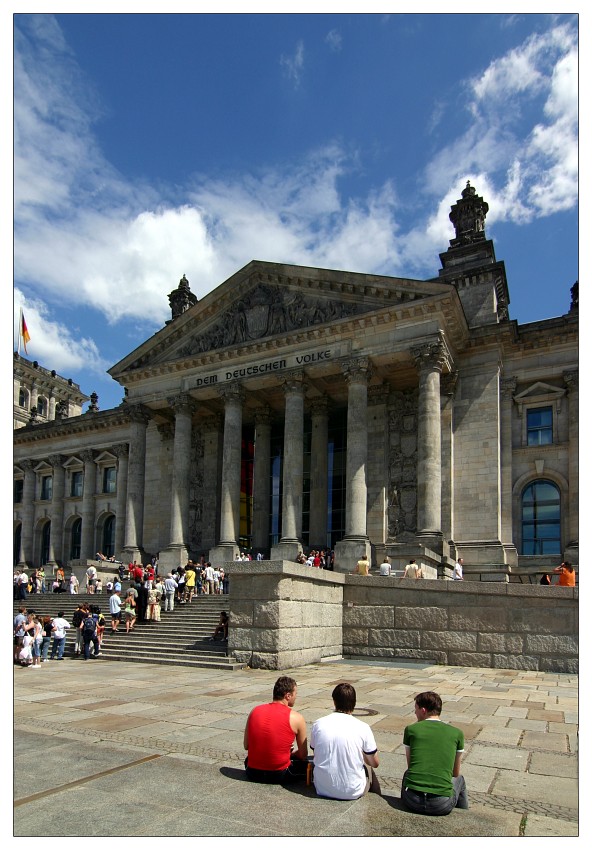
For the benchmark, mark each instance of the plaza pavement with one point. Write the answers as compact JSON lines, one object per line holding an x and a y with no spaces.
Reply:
{"x":107,"y":748}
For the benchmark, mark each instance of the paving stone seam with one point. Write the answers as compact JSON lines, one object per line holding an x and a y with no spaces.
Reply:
{"x":387,"y":782}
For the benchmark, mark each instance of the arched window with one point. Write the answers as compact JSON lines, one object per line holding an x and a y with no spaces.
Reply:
{"x":45,"y":534}
{"x":541,"y":519}
{"x":109,"y":536}
{"x":75,"y":539}
{"x":42,"y":406}
{"x":23,"y":398}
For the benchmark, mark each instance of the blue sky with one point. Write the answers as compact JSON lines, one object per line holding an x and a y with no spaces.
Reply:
{"x":148,"y":146}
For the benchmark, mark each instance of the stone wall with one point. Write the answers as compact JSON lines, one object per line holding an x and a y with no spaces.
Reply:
{"x":466,"y":624}
{"x":285,"y":615}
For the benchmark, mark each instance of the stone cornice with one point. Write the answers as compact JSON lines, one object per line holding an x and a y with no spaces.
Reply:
{"x":69,"y":427}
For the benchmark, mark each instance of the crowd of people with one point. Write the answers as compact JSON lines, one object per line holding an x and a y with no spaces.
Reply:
{"x":344,"y":752}
{"x":34,"y":634}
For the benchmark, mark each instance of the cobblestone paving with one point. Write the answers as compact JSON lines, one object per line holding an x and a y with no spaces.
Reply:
{"x":88,"y":702}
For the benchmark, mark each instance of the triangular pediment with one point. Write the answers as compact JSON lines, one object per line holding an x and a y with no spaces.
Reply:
{"x":267,"y":300}
{"x":539,"y":391}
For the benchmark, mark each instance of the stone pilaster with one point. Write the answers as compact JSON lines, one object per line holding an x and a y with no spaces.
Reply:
{"x":293,"y":466}
{"x":27,"y":514}
{"x":356,"y":542}
{"x":261,"y":480}
{"x":87,"y":537}
{"x":507,"y":392}
{"x":122,"y":453}
{"x":317,"y":532}
{"x":227,"y":547}
{"x":430,"y":359}
{"x":134,"y":508}
{"x":56,"y":536}
{"x":571,"y":379}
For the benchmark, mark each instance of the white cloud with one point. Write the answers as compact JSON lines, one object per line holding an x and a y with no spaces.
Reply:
{"x":334,"y":40}
{"x":53,"y":342}
{"x":294,"y":65}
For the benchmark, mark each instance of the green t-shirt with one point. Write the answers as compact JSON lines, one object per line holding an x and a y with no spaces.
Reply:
{"x":433,"y":746}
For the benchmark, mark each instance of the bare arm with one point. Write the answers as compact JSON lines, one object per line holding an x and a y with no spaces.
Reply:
{"x":456,"y":768}
{"x":408,"y":755}
{"x":372,"y":759}
{"x":298,"y":724}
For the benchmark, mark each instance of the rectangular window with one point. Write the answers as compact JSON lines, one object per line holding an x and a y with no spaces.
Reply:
{"x":76,"y":486}
{"x":46,"y":487}
{"x":539,"y":426}
{"x":109,"y":479}
{"x":18,"y":491}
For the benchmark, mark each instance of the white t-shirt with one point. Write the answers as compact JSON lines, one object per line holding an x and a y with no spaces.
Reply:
{"x":458,"y":572}
{"x":385,"y":569}
{"x":339,"y":741}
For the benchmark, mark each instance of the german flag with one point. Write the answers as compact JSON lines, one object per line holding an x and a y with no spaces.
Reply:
{"x":24,"y":332}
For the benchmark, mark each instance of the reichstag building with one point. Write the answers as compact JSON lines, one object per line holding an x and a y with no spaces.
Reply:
{"x":294,"y":408}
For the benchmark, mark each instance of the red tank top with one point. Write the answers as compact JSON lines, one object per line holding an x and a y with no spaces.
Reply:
{"x":270,"y":737}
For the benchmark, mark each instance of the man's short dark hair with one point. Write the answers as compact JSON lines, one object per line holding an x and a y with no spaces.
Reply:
{"x":344,"y":697}
{"x":429,"y":700}
{"x":284,"y":685}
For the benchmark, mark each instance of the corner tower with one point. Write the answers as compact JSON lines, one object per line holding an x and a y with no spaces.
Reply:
{"x":470,"y":263}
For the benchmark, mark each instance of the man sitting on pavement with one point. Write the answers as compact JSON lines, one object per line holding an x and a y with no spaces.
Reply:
{"x":344,"y":750}
{"x":432,"y":783}
{"x":269,"y":735}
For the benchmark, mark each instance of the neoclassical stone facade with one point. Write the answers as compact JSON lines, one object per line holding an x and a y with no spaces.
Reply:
{"x":296,"y":407}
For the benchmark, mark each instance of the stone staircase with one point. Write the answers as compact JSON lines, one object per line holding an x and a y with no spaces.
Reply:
{"x":180,"y":638}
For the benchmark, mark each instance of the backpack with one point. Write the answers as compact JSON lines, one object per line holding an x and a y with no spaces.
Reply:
{"x":88,"y":626}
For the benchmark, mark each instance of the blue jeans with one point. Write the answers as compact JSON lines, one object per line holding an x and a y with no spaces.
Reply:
{"x":45,"y":646}
{"x":87,"y":643}
{"x":58,"y":646}
{"x":432,"y":804}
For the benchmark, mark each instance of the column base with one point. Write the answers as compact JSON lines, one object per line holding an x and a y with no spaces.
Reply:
{"x":433,"y":540}
{"x":132,"y":555}
{"x":223,"y":552}
{"x":286,"y":550}
{"x":349,"y":551}
{"x":172,"y":557}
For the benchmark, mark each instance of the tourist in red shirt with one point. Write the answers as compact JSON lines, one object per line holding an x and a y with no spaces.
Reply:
{"x":270,"y":734}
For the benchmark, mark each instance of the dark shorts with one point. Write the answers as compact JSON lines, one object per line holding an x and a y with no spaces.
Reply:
{"x":295,"y":772}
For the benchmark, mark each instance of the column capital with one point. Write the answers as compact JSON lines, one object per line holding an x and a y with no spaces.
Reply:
{"x":166,"y":430}
{"x":293,"y":382}
{"x":182,"y":403}
{"x":432,"y":355}
{"x":138,"y":413}
{"x":319,"y":406}
{"x":571,"y":380}
{"x":263,"y":415}
{"x":448,"y":384}
{"x":508,"y":387}
{"x":233,"y":392}
{"x":87,"y":455}
{"x":357,"y":369}
{"x":56,"y":460}
{"x":120,"y":450}
{"x":27,"y":465}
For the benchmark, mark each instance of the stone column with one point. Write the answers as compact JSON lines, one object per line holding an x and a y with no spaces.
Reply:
{"x":212,"y":435}
{"x":134,"y":508}
{"x":507,"y":391}
{"x":177,"y":552}
{"x":355,"y":543}
{"x":51,"y":408}
{"x":293,"y":466}
{"x":56,"y":536}
{"x":227,"y":547}
{"x":121,"y":451}
{"x":87,"y":540}
{"x":317,"y":533}
{"x":448,"y":390}
{"x":429,"y":358}
{"x":571,"y":379}
{"x":261,"y":479}
{"x":27,"y":514}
